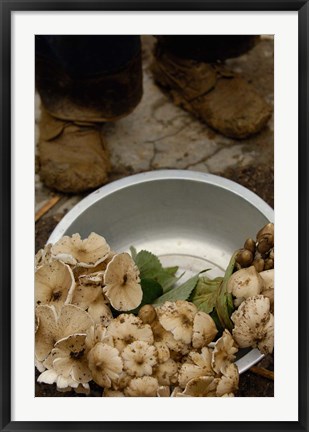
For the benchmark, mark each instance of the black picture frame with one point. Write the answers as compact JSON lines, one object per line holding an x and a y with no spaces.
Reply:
{"x":6,"y":7}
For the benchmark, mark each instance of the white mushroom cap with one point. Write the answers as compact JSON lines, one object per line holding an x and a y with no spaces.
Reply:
{"x":84,"y":295}
{"x":177,"y":317}
{"x":122,"y":382}
{"x":268,"y":278}
{"x":204,"y":330}
{"x":83,"y":272}
{"x":142,"y":387}
{"x":228,"y":383}
{"x":139,"y":358}
{"x":112,"y":393}
{"x":163,"y":351}
{"x":163,"y":391}
{"x":268,"y":290}
{"x":122,"y":282}
{"x":224,"y":352}
{"x":166,"y":373}
{"x":52,"y":328}
{"x":50,"y":376}
{"x":54,"y":284}
{"x":203,"y":386}
{"x":43,"y":256}
{"x":254,"y":324}
{"x":70,"y":358}
{"x":105,"y":364}
{"x":92,"y":299}
{"x":97,"y":333}
{"x":127,"y":328}
{"x":47,"y":332}
{"x":166,"y":337}
{"x":100,"y":311}
{"x":96,"y":278}
{"x":84,"y":253}
{"x":245,"y":283}
{"x":196,"y":366}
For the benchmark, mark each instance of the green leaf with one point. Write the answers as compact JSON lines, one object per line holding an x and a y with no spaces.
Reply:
{"x":151,"y":291}
{"x":171,"y":270}
{"x":150,"y":267}
{"x":205,"y":294}
{"x":133,"y":252}
{"x":182,"y":292}
{"x":224,"y":299}
{"x":148,"y":264}
{"x":167,"y":280}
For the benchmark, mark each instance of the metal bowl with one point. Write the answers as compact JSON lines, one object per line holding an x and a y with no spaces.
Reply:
{"x":190,"y":219}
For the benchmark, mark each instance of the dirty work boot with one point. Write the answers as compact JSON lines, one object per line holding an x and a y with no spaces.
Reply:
{"x":72,"y":155}
{"x":220,"y":98}
{"x":83,"y":81}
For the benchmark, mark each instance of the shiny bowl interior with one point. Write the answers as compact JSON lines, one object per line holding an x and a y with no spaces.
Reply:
{"x":190,"y":219}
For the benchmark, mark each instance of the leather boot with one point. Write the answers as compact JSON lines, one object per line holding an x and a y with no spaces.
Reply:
{"x":222,"y":99}
{"x":72,"y":155}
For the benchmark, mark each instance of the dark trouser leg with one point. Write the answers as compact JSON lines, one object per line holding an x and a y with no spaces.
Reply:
{"x":83,"y":81}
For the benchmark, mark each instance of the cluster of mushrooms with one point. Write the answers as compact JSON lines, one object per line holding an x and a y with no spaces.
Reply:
{"x":85,"y":330}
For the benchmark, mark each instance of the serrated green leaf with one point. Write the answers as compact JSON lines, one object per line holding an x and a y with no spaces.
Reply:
{"x":182,"y":292}
{"x":224,"y":299}
{"x":205,"y":294}
{"x":151,"y":291}
{"x":133,"y":252}
{"x":148,"y":264}
{"x":167,"y":280}
{"x":171,"y":270}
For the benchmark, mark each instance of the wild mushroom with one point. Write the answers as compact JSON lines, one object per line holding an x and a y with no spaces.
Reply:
{"x":122,"y":283}
{"x":268,"y":278}
{"x":54,"y":284}
{"x":268,"y":290}
{"x":163,"y":391}
{"x":43,"y":256}
{"x":121,"y":382}
{"x":69,"y":358}
{"x":163,"y":352}
{"x":167,"y":338}
{"x":50,"y":376}
{"x":177,"y":317}
{"x":139,"y":358}
{"x":97,"y":333}
{"x":84,"y":295}
{"x":163,"y":338}
{"x":254,"y":324}
{"x":224,"y":352}
{"x":228,"y":383}
{"x":142,"y":387}
{"x":203,"y":386}
{"x":166,"y":373}
{"x":112,"y":393}
{"x":100,"y":311}
{"x":105,"y":364}
{"x":96,"y":278}
{"x":127,"y":328}
{"x":82,"y":253}
{"x":197,"y":365}
{"x":52,"y":328}
{"x":91,"y":298}
{"x":245,"y":283}
{"x":204,"y":330}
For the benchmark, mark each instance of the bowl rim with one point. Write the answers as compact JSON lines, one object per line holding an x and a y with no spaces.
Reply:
{"x":158,"y":175}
